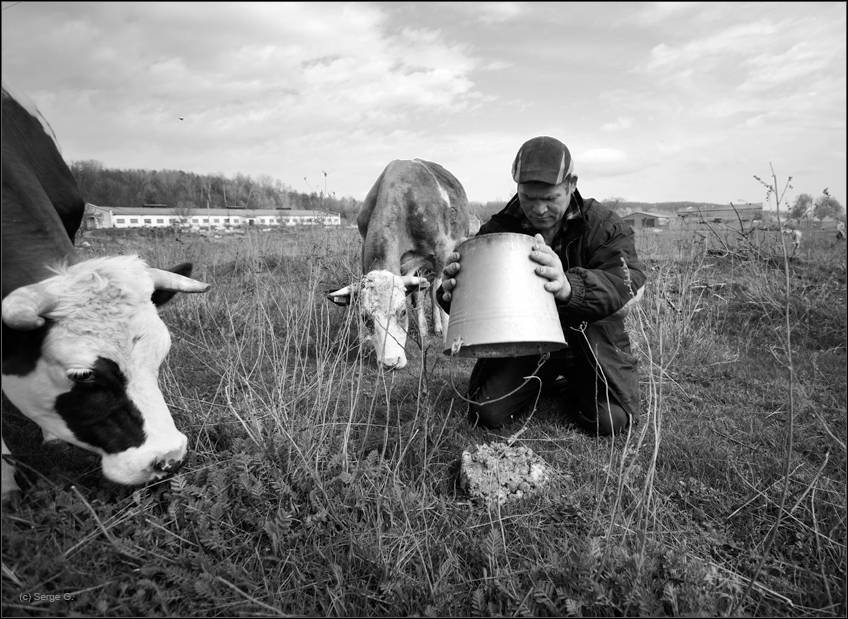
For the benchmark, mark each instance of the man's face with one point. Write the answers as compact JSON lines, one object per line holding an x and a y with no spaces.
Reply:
{"x":545,"y":205}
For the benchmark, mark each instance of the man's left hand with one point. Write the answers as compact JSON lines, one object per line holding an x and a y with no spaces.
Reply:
{"x":550,"y":267}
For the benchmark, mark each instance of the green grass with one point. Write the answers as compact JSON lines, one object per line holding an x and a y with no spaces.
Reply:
{"x":319,"y":485}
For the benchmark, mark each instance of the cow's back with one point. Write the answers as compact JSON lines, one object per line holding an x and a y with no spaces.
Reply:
{"x":41,"y":203}
{"x":415,"y":206}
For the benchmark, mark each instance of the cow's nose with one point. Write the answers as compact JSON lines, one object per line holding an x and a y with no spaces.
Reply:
{"x":394,"y":364}
{"x":166,"y":465}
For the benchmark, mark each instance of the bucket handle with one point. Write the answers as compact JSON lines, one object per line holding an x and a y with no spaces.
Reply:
{"x":543,"y":358}
{"x":513,"y":437}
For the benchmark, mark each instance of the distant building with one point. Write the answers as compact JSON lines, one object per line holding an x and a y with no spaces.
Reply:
{"x":719,"y":213}
{"x":201,"y":218}
{"x":642,"y":219}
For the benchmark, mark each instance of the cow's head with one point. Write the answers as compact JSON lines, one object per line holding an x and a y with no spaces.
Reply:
{"x":382,"y":307}
{"x":81,"y":357}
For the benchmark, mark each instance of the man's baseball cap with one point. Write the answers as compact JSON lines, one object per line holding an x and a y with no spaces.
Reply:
{"x":542,"y":159}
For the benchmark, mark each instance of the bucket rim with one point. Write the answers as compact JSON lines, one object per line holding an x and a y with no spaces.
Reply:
{"x":503,"y":234}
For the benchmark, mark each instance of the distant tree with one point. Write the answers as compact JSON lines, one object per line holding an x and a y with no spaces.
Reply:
{"x":827,"y":206}
{"x":349,"y":209}
{"x":803,"y":203}
{"x":88,"y":175}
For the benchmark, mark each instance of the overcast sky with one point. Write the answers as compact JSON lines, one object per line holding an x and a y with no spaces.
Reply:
{"x":657,"y":102}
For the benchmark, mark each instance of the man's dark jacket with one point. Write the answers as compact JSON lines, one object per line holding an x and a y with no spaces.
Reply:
{"x":598,"y":254}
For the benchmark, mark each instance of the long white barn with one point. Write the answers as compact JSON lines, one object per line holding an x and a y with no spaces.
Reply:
{"x":201,"y":218}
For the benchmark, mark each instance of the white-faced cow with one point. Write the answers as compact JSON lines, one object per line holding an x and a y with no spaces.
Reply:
{"x":413,"y":217}
{"x":82,"y":340}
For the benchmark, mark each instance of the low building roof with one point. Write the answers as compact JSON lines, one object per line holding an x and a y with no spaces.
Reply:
{"x":646,"y":214}
{"x":713,"y":208}
{"x":207,"y":212}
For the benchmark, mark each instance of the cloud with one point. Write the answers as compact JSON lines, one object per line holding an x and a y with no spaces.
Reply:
{"x":258,"y":72}
{"x":618,"y":124}
{"x":732,"y":41}
{"x":602,"y":156}
{"x":802,"y":61}
{"x":498,"y":12}
{"x":488,"y":12}
{"x":653,"y":13}
{"x":290,"y":89}
{"x":603,"y":162}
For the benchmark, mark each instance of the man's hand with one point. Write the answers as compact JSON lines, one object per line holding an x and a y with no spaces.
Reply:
{"x":448,"y":274}
{"x":550,"y":267}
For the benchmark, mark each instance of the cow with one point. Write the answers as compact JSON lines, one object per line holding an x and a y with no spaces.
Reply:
{"x":795,"y":235}
{"x":840,"y":230}
{"x":412,"y":218}
{"x":82,"y":339}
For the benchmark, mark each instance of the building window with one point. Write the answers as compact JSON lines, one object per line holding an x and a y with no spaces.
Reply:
{"x":119,"y":220}
{"x":133,"y":220}
{"x":159,"y":220}
{"x":147,"y":220}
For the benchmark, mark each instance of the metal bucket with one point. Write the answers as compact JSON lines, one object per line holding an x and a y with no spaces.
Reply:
{"x":500,"y":307}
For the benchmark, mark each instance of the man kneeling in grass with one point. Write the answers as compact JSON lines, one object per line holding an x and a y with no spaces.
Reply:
{"x":588,"y":255}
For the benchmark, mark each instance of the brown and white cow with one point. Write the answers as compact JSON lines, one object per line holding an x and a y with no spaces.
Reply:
{"x":82,"y":339}
{"x":413,"y":217}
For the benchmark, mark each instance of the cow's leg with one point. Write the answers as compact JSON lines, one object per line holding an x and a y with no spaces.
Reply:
{"x":7,"y":477}
{"x":440,"y":318}
{"x":420,"y":315}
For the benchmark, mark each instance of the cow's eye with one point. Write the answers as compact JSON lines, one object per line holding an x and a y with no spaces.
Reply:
{"x":81,"y":375}
{"x":402,"y":313}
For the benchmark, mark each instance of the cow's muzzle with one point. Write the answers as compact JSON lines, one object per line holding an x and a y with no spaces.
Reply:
{"x":168,"y":466}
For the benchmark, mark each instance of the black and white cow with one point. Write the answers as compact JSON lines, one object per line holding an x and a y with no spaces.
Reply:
{"x":82,"y":340}
{"x":413,"y":217}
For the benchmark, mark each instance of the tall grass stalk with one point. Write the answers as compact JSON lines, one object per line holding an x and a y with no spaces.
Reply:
{"x":772,"y":189}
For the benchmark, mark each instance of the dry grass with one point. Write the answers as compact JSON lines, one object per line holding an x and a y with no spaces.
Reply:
{"x":320,"y":485}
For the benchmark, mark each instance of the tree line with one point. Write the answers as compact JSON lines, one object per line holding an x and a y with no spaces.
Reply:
{"x":187,"y":191}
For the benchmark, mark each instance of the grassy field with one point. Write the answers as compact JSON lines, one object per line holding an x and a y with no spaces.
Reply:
{"x":319,"y":485}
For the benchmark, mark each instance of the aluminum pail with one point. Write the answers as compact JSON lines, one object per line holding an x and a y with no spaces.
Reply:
{"x":499,"y":307}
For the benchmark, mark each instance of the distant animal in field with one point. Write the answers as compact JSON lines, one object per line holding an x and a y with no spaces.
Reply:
{"x":412,"y":219}
{"x":840,"y":231}
{"x":82,"y":340}
{"x":795,"y":237}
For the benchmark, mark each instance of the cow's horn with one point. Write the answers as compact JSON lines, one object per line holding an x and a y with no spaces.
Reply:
{"x":414,"y":280}
{"x":24,"y":307}
{"x":166,"y":280}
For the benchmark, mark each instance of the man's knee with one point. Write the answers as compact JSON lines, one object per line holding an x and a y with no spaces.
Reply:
{"x":498,"y":390}
{"x":496,"y":412}
{"x":604,"y":419}
{"x":487,"y":416}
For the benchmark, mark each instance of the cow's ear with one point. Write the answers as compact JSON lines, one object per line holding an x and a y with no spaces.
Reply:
{"x":161,"y":296}
{"x":341,"y":296}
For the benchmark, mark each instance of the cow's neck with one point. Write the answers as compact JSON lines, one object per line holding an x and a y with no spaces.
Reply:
{"x":27,"y":263}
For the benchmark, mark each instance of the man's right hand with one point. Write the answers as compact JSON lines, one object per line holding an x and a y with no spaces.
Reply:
{"x":448,"y":274}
